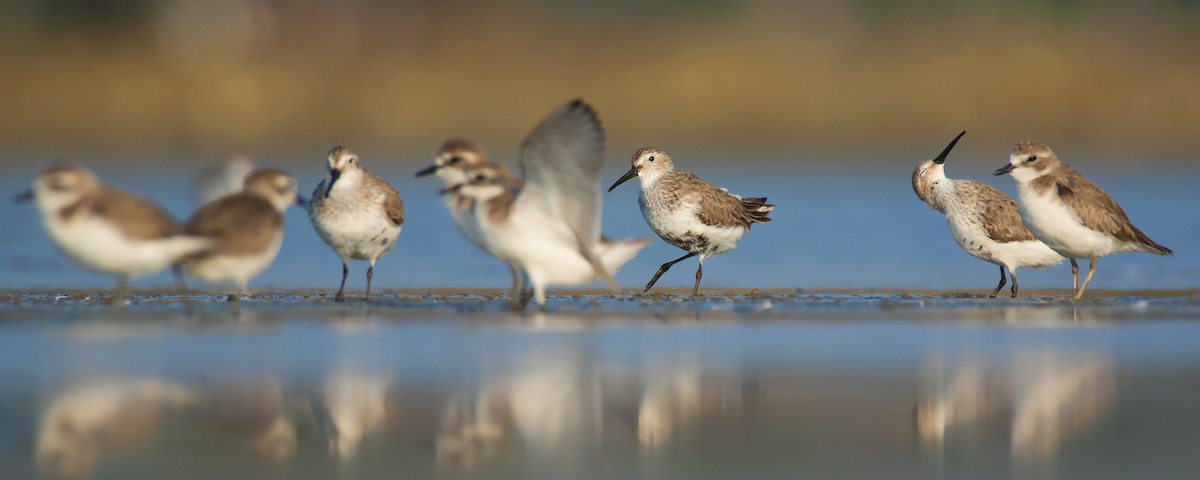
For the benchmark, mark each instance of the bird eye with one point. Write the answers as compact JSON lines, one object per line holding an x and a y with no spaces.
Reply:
{"x":1032,"y":158}
{"x":480,"y":177}
{"x":651,"y":158}
{"x":455,"y":159}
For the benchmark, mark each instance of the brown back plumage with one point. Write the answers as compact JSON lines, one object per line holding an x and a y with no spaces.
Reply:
{"x":242,"y":224}
{"x":393,"y":207}
{"x":718,"y":208}
{"x":134,"y":216}
{"x":1094,"y":207}
{"x":998,"y":212}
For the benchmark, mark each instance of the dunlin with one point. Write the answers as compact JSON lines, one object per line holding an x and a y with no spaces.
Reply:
{"x":689,"y":212}
{"x":1069,"y":213}
{"x":357,"y":213}
{"x":108,"y":230}
{"x":983,"y":221}
{"x":548,"y":226}
{"x":247,"y":228}
{"x":455,"y":158}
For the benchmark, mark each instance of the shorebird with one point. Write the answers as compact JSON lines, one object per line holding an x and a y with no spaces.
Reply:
{"x":454,"y":158}
{"x":106,"y":229}
{"x":688,"y":212}
{"x":356,"y":213}
{"x":1069,"y":213}
{"x":547,"y":226}
{"x":983,"y":221}
{"x":247,"y":228}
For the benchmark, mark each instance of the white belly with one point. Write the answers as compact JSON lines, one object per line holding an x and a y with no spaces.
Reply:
{"x":973,"y":239}
{"x":238,"y":269}
{"x":97,"y":245}
{"x":682,"y":228}
{"x":363,"y":234}
{"x":539,"y":245}
{"x":1055,"y":225}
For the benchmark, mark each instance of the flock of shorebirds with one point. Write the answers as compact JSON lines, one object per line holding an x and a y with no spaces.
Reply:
{"x":546,"y":224}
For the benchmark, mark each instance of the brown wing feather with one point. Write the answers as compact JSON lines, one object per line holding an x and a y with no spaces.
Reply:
{"x":134,"y":216}
{"x":1097,"y":210}
{"x":242,"y":224}
{"x":393,"y":207}
{"x":718,"y":208}
{"x":998,"y":211}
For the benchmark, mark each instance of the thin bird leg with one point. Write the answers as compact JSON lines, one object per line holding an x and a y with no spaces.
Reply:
{"x":663,"y":269}
{"x":1088,"y":278}
{"x":1001,"y":285}
{"x":180,"y":284}
{"x":539,"y":295}
{"x":1074,"y":275}
{"x":699,"y":273}
{"x":1013,"y":274}
{"x":341,"y":297}
{"x":122,"y":288}
{"x":516,"y":292}
{"x":370,"y":273}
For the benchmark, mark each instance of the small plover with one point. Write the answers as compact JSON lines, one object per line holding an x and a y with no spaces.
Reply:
{"x":357,"y":213}
{"x":688,"y":212}
{"x":983,"y":221}
{"x":458,"y":155}
{"x":108,"y":230}
{"x":246,"y":226}
{"x":548,"y":226}
{"x":1069,"y":213}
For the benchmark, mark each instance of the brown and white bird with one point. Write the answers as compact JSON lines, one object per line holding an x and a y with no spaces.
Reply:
{"x":689,"y":212}
{"x":983,"y":221}
{"x":356,"y":213}
{"x":247,"y":228}
{"x":455,"y":158}
{"x":547,"y":226}
{"x":1069,"y":213}
{"x":106,"y":229}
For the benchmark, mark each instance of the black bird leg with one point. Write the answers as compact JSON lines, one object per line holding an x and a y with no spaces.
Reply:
{"x":341,"y":297}
{"x":663,"y":269}
{"x":1001,"y":285}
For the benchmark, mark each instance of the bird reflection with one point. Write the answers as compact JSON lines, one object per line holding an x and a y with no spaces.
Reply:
{"x":98,"y":418}
{"x":356,"y":405}
{"x":1043,"y":397}
{"x":92,"y":420}
{"x":678,"y":391}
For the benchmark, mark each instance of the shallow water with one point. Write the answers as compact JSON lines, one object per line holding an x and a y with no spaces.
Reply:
{"x":780,"y":385}
{"x":862,"y":229}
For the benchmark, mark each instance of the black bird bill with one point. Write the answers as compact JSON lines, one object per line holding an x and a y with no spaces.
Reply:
{"x":624,"y":178}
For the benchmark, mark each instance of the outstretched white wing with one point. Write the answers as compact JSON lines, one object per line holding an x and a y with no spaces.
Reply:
{"x":561,"y":162}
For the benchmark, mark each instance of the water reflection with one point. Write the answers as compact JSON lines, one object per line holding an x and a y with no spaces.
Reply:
{"x":90,"y":421}
{"x":1041,"y":398}
{"x":557,"y":396}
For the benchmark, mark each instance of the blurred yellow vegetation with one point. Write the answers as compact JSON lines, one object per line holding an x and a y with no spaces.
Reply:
{"x":245,"y":73}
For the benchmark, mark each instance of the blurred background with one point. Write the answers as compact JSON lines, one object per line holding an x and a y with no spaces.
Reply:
{"x":799,"y":76}
{"x":824,"y":106}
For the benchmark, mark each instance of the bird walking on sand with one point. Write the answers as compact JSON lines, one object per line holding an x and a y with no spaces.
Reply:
{"x":1069,"y":213}
{"x":688,"y":212}
{"x":455,"y":158}
{"x":356,"y":213}
{"x":247,"y":228}
{"x":984,"y":221}
{"x":106,"y":229}
{"x":547,"y":226}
